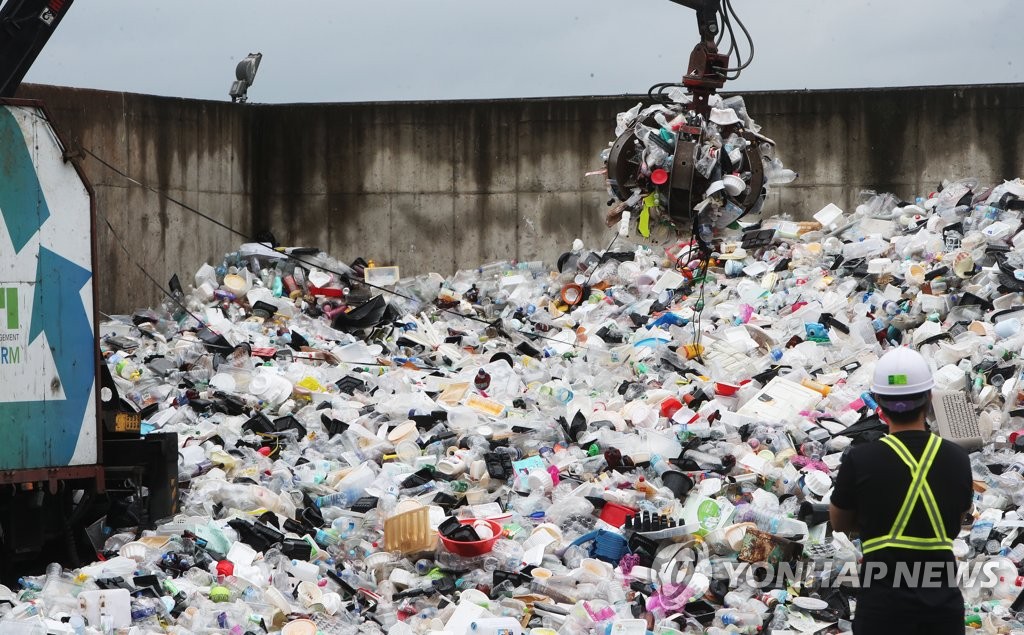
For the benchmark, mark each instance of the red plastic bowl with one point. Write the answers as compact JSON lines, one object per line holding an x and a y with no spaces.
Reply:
{"x":726,"y":390}
{"x":476,"y":548}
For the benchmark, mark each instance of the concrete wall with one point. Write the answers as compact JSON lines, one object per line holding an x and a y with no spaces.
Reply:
{"x":904,"y":141}
{"x":191,"y":150}
{"x":447,"y":185}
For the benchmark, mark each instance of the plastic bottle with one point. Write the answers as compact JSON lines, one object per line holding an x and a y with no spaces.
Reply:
{"x":77,"y":624}
{"x":553,"y":592}
{"x":980,"y":531}
{"x":737,"y":599}
{"x":779,"y":175}
{"x":54,"y":571}
{"x":780,"y":619}
{"x":734,"y":617}
{"x":338,"y":499}
{"x":774,"y":522}
{"x":1016,"y":469}
{"x":55,"y":591}
{"x":704,"y":458}
{"x":1016,"y":555}
{"x":482,"y":380}
{"x":507,"y":555}
{"x":816,"y":386}
{"x":351,"y":487}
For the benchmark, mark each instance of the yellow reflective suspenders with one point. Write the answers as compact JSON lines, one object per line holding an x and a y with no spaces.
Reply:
{"x":919,"y":490}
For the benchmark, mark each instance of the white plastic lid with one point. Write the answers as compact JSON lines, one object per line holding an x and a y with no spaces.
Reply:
{"x":817,"y":482}
{"x":810,"y":604}
{"x":223,"y":381}
{"x":260,"y":384}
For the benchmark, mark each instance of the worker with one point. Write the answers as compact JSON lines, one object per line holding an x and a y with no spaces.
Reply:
{"x":905,"y":494}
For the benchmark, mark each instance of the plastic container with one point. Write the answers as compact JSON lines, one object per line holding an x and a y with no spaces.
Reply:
{"x":475,"y":548}
{"x":615,"y":514}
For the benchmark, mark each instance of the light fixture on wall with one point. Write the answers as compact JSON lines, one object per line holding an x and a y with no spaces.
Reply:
{"x":245,"y":74}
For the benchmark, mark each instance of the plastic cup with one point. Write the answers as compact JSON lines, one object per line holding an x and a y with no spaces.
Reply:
{"x":299,"y":627}
{"x":278,"y":601}
{"x":309,"y":593}
{"x":331,"y":602}
{"x":236,"y":284}
{"x":540,"y":573}
{"x":405,"y":431}
{"x":915,"y":275}
{"x":408,"y":451}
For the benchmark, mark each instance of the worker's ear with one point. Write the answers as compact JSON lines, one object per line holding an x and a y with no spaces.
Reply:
{"x":881,"y":416}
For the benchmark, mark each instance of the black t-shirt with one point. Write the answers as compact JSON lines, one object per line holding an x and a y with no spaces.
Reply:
{"x":873,"y":482}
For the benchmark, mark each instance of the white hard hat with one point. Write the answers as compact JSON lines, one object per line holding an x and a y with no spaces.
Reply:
{"x":902,"y":372}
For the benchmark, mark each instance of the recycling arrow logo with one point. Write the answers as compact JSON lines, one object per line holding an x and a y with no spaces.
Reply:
{"x":44,"y":429}
{"x":22,"y":203}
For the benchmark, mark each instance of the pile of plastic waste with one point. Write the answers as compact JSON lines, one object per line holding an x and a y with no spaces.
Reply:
{"x":628,"y":442}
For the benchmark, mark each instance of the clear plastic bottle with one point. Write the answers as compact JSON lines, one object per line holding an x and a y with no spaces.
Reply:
{"x":555,"y":593}
{"x":778,"y":174}
{"x":54,"y":571}
{"x":507,"y":555}
{"x":780,"y":619}
{"x":774,"y":522}
{"x":734,"y":617}
{"x":980,"y":531}
{"x":338,"y":499}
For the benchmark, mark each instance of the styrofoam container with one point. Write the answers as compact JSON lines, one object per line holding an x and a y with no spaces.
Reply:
{"x":828,"y":215}
{"x":878,"y":265}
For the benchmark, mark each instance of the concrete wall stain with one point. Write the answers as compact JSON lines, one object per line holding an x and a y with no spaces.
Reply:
{"x":445,"y":184}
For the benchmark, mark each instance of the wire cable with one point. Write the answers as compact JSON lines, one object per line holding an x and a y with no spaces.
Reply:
{"x":732,"y":37}
{"x":189,"y":208}
{"x":750,"y":42}
{"x":308,"y":263}
{"x":167,"y":292}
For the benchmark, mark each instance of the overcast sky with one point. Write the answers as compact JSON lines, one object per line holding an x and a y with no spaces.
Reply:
{"x":344,"y":50}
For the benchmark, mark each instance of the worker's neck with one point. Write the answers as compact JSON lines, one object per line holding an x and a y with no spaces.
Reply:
{"x":917,"y":425}
{"x":907,"y":428}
